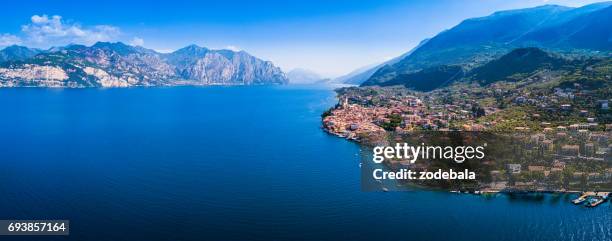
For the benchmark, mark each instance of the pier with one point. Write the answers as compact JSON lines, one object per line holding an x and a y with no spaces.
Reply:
{"x":592,"y":199}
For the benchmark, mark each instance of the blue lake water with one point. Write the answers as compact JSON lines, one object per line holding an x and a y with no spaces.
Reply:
{"x":230,"y":163}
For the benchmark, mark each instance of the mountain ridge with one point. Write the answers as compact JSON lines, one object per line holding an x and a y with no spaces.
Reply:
{"x":106,"y":64}
{"x":528,"y":64}
{"x":476,"y":41}
{"x":16,"y":52}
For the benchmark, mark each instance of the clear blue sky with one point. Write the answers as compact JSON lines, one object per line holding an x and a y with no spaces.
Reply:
{"x":331,"y":37}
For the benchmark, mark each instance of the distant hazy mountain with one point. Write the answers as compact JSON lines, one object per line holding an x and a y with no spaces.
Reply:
{"x":360,"y":75}
{"x":303,"y":76}
{"x":14,"y":53}
{"x":478,"y":40}
{"x":119,"y":65}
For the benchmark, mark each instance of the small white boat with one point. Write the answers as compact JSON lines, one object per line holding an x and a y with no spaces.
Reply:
{"x":580,"y":199}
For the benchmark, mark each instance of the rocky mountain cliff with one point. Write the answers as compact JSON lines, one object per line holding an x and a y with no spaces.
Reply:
{"x":205,"y":66}
{"x":119,"y":65}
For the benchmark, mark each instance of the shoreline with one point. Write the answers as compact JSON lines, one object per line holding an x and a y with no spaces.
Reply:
{"x":347,"y":120}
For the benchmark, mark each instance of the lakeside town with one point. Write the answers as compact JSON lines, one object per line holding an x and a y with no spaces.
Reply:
{"x":565,"y":138}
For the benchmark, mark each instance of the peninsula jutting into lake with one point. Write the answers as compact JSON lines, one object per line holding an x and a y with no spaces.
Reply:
{"x":546,"y":99}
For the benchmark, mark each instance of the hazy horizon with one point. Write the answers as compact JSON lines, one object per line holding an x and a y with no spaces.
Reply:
{"x":331,"y":38}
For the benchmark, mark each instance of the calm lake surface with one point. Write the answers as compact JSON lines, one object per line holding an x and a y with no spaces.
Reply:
{"x":230,"y":163}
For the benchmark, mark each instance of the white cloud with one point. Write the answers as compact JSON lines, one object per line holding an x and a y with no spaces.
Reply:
{"x":9,"y":39}
{"x":39,"y":19}
{"x":45,"y":31}
{"x":136,"y":41}
{"x":232,"y":48}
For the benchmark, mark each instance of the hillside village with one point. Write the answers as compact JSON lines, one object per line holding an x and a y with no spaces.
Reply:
{"x":565,"y":126}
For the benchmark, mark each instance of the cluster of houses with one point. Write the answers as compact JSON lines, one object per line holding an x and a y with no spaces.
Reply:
{"x":561,"y":98}
{"x":356,"y":115}
{"x":351,"y":121}
{"x":579,"y":154}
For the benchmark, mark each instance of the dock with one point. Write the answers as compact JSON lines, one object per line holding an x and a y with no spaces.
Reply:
{"x":592,"y":199}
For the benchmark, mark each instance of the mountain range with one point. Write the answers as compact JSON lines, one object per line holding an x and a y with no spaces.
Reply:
{"x":450,"y":55}
{"x":107,"y":64}
{"x":304,"y":76}
{"x":585,"y":30}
